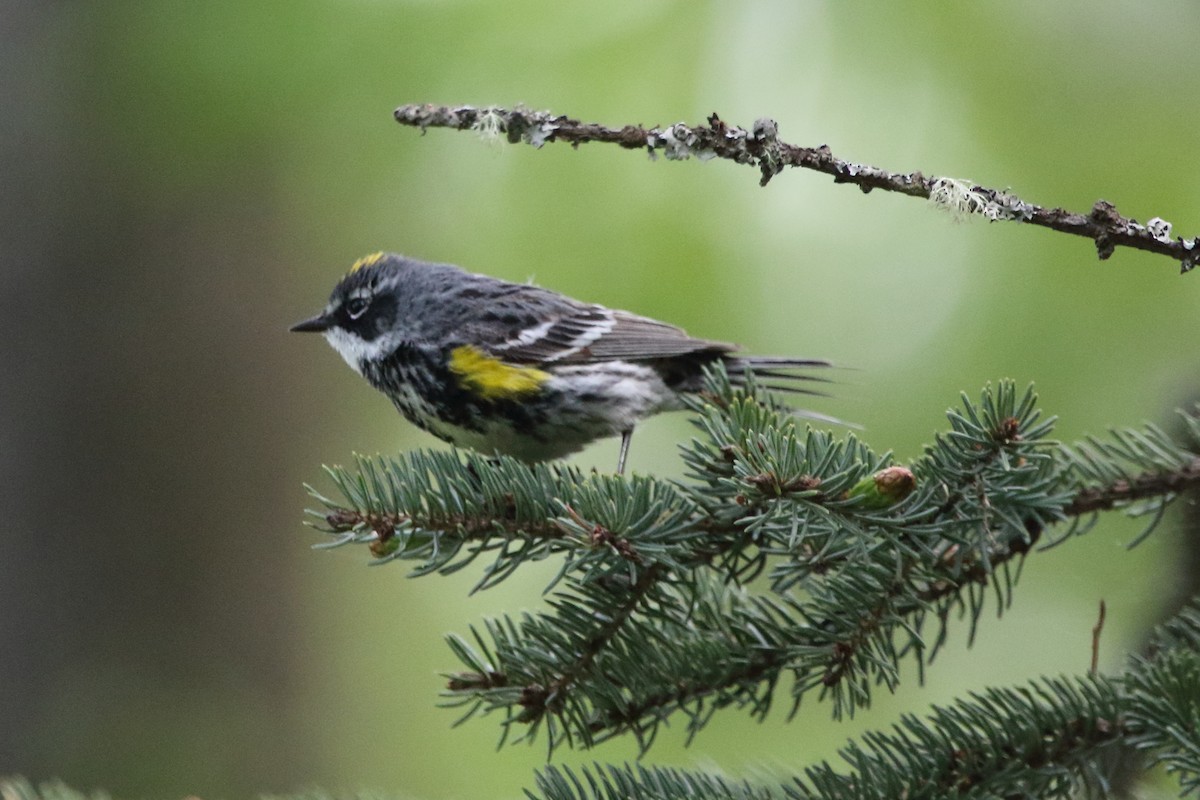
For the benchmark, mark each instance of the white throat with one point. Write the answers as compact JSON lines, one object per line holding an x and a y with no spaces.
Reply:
{"x":355,"y":350}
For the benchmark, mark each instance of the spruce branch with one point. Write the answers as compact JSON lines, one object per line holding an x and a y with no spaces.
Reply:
{"x":649,"y":612}
{"x":1163,"y":687}
{"x":1034,"y":741}
{"x":1047,"y":739}
{"x":539,"y":701}
{"x":18,"y":788}
{"x":1122,"y":491}
{"x":761,"y":148}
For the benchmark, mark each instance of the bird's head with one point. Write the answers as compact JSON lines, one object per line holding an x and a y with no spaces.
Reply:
{"x":363,"y":320}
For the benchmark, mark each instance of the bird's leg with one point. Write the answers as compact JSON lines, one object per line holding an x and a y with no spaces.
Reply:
{"x":626,"y":436}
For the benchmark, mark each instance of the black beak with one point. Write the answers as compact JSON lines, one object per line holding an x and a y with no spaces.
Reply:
{"x":317,"y":324}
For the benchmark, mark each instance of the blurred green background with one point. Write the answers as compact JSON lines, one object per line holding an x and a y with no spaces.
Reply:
{"x":180,"y":181}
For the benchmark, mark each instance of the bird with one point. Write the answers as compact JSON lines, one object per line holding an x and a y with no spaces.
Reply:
{"x":516,"y":369}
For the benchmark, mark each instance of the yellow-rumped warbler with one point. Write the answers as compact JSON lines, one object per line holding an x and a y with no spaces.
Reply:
{"x":513,"y":368}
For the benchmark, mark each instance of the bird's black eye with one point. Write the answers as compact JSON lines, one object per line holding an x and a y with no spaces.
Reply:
{"x":356,"y":307}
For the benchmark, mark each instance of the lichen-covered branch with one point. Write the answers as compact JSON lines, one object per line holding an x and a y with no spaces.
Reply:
{"x":761,"y":147}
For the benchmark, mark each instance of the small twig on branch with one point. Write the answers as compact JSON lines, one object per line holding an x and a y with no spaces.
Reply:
{"x":1096,"y":631}
{"x":761,"y":148}
{"x":1146,"y":485}
{"x":536,"y":702}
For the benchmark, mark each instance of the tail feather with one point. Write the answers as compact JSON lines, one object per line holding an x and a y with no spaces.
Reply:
{"x":777,"y":373}
{"x":776,"y":361}
{"x":783,"y":387}
{"x":778,"y":368}
{"x":786,"y":375}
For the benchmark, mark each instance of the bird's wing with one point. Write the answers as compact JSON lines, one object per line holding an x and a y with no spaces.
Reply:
{"x":581,"y":333}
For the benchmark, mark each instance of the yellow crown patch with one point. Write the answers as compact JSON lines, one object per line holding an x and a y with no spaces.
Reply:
{"x":366,"y":261}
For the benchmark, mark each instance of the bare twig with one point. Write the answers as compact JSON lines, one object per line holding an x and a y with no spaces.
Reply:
{"x":1097,"y":629}
{"x":760,"y":147}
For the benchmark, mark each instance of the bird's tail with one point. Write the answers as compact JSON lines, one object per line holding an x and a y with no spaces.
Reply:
{"x":782,"y":374}
{"x":778,"y":374}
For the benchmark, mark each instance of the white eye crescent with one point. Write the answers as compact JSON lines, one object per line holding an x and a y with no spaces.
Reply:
{"x":357,"y":306}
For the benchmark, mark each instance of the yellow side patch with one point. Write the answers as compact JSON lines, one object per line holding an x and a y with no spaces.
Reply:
{"x":490,"y":377}
{"x":366,"y":261}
